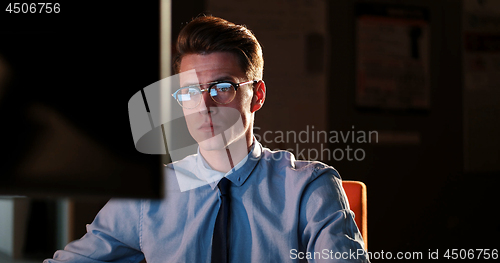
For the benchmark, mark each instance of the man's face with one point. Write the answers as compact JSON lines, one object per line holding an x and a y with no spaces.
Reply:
{"x":215,"y":126}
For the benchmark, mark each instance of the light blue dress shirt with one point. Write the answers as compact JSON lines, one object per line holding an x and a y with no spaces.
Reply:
{"x":281,"y":210}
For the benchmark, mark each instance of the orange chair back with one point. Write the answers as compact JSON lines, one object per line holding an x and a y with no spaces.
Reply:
{"x":356,"y":195}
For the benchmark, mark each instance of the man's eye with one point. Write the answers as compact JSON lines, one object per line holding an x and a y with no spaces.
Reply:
{"x":225,"y":87}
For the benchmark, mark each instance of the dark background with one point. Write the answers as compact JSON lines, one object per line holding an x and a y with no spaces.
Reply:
{"x":420,"y":197}
{"x":72,"y":74}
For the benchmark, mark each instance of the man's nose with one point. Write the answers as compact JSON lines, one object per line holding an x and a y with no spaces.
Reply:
{"x":207,"y":104}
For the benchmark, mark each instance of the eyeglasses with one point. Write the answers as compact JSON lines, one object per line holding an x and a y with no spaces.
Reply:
{"x":222,"y":92}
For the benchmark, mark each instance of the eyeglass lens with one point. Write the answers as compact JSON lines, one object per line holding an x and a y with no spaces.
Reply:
{"x":190,"y":97}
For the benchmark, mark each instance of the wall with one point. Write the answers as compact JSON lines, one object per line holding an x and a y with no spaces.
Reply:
{"x":418,"y":192}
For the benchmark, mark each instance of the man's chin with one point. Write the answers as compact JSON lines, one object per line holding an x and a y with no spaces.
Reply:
{"x":212,"y":143}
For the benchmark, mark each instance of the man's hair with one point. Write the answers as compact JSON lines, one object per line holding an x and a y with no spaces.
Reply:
{"x":207,"y":34}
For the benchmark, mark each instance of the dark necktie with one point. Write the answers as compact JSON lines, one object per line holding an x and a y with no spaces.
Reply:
{"x":220,"y":252}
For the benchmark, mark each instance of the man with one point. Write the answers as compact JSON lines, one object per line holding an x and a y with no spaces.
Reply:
{"x":234,"y":201}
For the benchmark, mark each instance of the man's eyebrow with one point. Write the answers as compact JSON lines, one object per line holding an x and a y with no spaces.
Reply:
{"x":222,"y":78}
{"x":225,"y":78}
{"x":190,"y":85}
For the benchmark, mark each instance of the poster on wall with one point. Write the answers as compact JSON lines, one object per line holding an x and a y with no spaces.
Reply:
{"x":481,"y":53}
{"x":392,"y":57}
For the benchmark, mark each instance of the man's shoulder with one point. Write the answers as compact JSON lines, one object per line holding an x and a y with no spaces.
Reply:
{"x":282,"y":160}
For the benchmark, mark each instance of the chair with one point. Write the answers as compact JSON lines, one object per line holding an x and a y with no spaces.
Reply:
{"x":356,"y":195}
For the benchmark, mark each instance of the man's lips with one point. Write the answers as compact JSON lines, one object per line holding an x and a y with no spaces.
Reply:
{"x":207,"y":127}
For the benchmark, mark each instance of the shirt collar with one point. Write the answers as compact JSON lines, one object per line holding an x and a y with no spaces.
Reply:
{"x":238,"y":175}
{"x":193,"y":171}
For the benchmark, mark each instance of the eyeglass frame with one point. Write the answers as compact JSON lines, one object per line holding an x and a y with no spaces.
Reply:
{"x":212,"y":84}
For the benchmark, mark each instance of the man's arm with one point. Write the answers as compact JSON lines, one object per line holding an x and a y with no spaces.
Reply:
{"x":114,"y":236}
{"x":327,"y":224}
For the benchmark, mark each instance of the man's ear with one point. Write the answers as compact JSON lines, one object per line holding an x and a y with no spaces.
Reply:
{"x":259,"y":96}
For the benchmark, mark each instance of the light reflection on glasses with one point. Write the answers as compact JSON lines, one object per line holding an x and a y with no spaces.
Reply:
{"x":222,"y":92}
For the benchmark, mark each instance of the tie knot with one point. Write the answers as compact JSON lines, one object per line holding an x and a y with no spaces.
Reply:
{"x":223,"y":185}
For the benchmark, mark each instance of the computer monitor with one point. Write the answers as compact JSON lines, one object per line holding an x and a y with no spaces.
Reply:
{"x":65,"y":81}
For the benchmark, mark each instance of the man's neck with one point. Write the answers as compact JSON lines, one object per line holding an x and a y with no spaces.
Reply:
{"x":224,"y":160}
